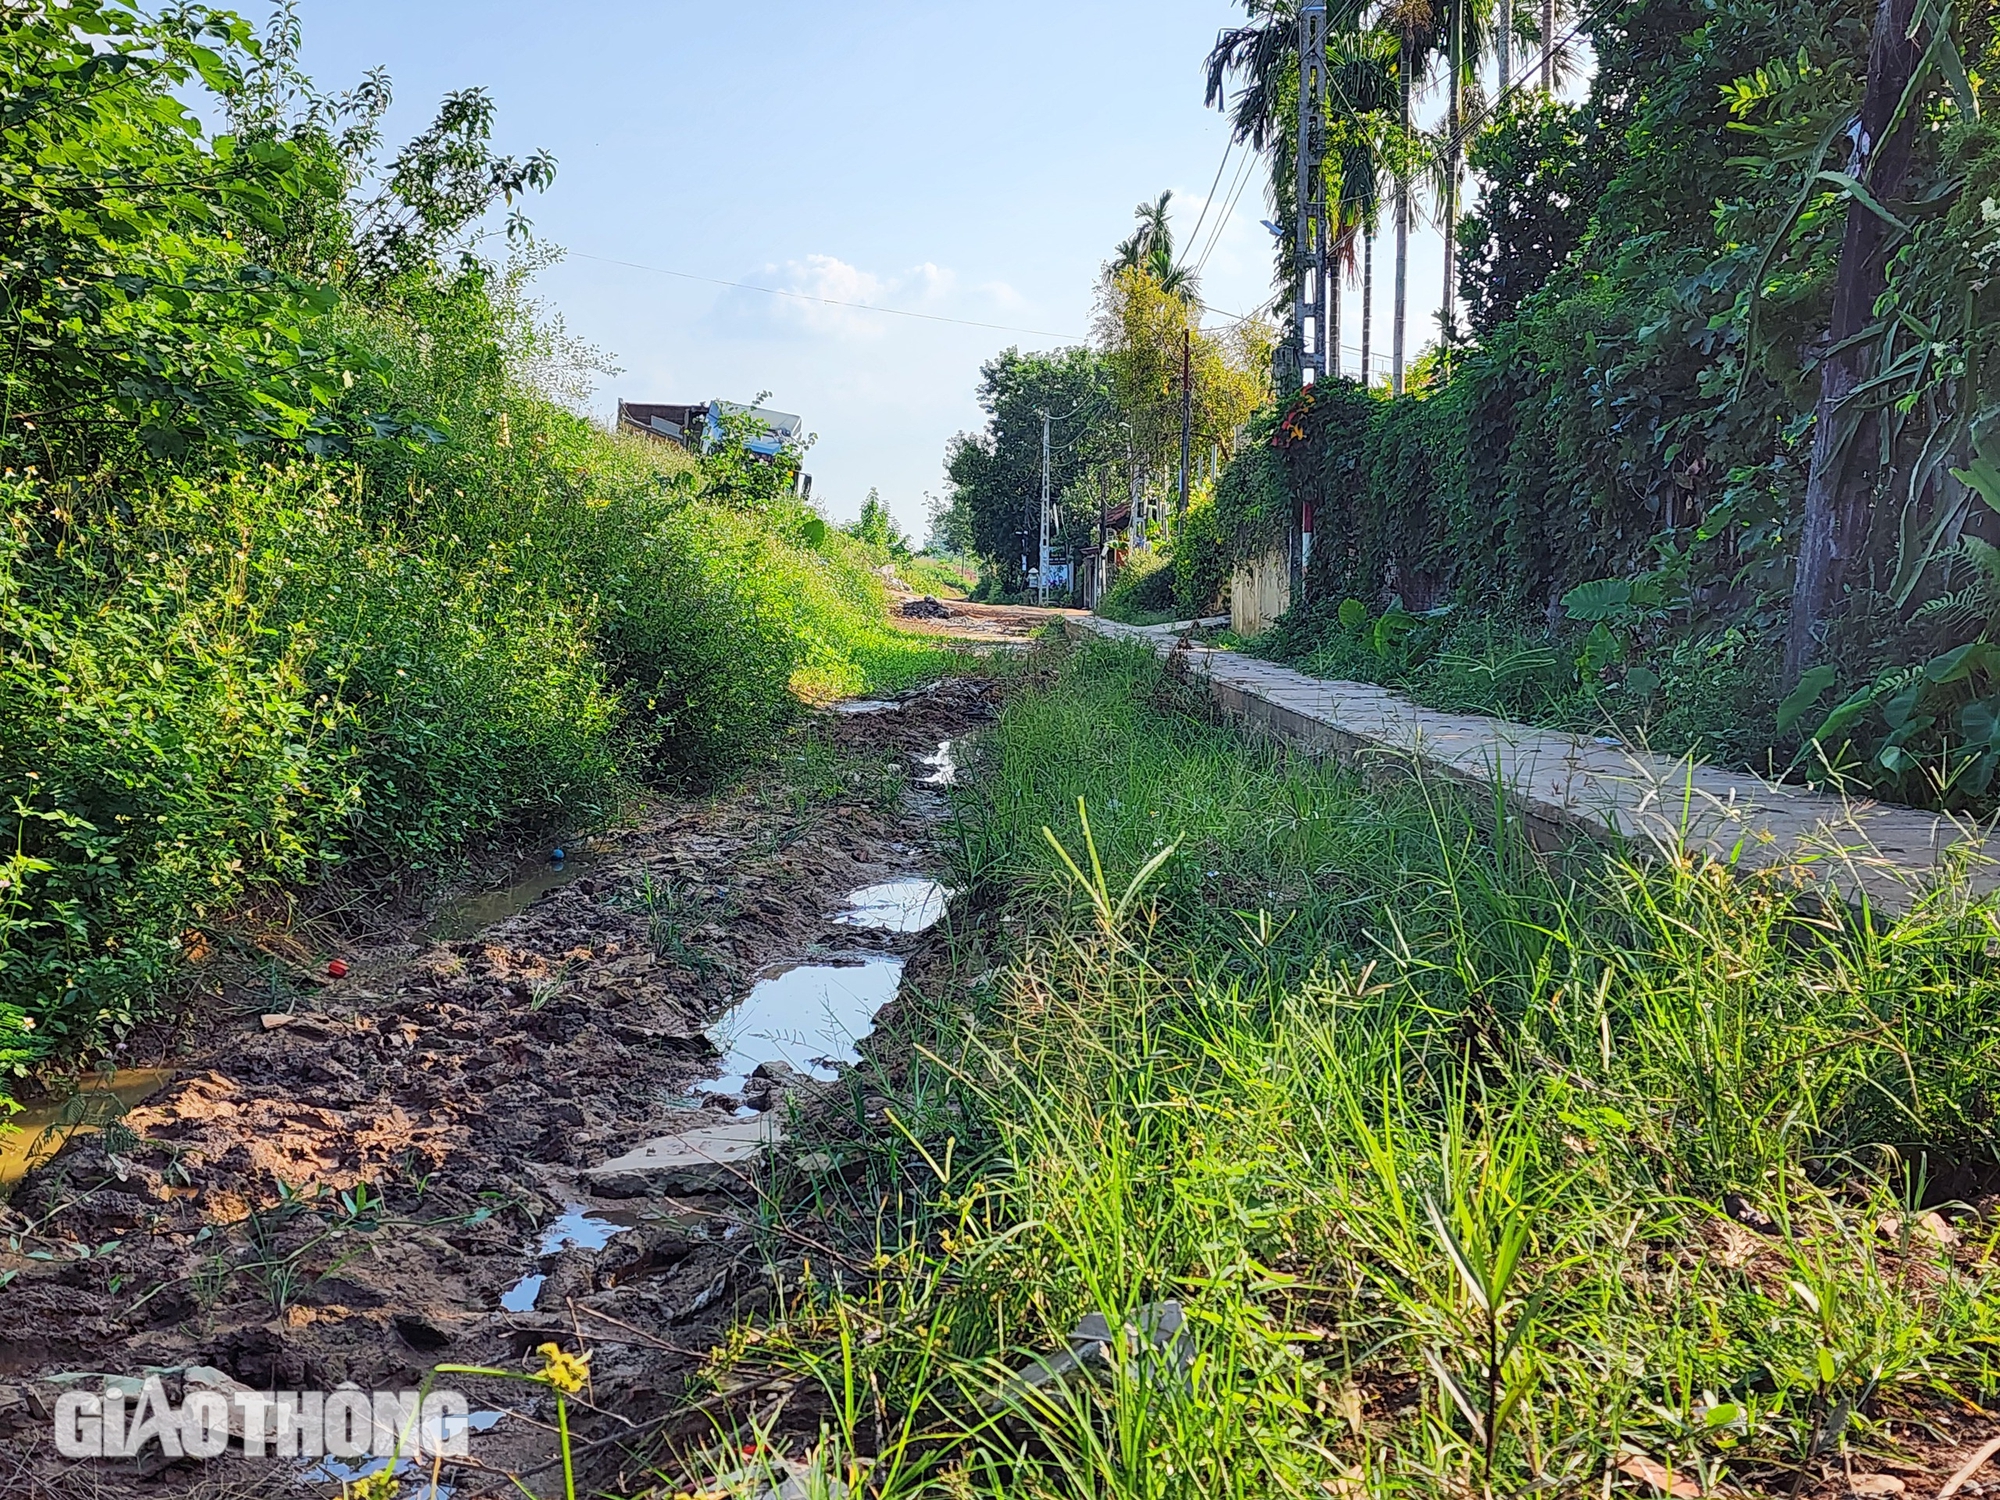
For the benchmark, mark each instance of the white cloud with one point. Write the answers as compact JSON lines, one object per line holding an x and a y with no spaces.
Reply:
{"x":835,"y":300}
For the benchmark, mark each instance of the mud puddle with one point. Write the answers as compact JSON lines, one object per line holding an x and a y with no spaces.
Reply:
{"x":411,"y":1169}
{"x":941,"y":765}
{"x":472,"y":914}
{"x":43,"y":1131}
{"x":575,"y":1228}
{"x":808,"y":1017}
{"x":904,"y":906}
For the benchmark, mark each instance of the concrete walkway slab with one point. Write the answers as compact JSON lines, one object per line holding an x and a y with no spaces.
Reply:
{"x":1567,"y":785}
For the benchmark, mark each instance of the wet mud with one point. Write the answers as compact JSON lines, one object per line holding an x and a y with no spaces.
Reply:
{"x":418,"y":1162}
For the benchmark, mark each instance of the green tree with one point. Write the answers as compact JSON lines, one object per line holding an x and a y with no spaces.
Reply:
{"x":1151,"y":249}
{"x":877,"y":527}
{"x":135,"y":319}
{"x":1541,"y":181}
{"x":996,"y":474}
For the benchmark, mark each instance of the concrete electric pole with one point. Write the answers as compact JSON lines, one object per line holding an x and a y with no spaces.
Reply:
{"x":1313,"y":245}
{"x":1134,"y":527}
{"x":1187,"y":418}
{"x":1042,"y":586}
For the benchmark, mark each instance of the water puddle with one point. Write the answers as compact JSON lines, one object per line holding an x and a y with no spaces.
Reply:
{"x":45,"y":1129}
{"x":472,"y":914}
{"x":584,"y":1229}
{"x":520,"y":1297}
{"x":575,"y":1228}
{"x":346,"y":1472}
{"x":865,"y":706}
{"x":897,"y":906}
{"x":943,"y":766}
{"x":809,"y":1016}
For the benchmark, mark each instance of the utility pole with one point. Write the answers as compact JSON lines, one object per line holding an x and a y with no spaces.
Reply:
{"x":1042,"y":587}
{"x":1396,"y":333}
{"x":1454,"y":113}
{"x":1367,"y":302}
{"x":1187,"y":417}
{"x":1548,"y":46}
{"x":1504,"y":44}
{"x":1310,"y":249}
{"x":1100,"y":574}
{"x":1132,"y":522}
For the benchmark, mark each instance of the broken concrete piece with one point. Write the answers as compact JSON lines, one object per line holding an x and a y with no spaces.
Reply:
{"x":1150,"y":1336}
{"x":709,"y":1158}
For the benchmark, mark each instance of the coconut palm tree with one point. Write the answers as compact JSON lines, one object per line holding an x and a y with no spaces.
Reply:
{"x":1414,"y":24}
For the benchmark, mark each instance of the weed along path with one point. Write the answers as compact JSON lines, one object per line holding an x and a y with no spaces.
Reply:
{"x":1061,"y":1091}
{"x":548,"y":1119}
{"x":1568,"y":785}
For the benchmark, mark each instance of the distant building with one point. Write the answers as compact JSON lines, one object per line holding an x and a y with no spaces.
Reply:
{"x":658,"y":420}
{"x":698,"y":426}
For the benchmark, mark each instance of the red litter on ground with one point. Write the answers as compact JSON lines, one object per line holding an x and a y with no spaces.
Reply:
{"x":338,"y":968}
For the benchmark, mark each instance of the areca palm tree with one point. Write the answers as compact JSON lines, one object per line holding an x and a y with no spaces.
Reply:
{"x":1150,"y":248}
{"x":1262,"y":58}
{"x":1414,"y":26}
{"x":1363,"y":89}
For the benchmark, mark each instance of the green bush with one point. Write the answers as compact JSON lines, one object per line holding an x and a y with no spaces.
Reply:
{"x":220,"y":686}
{"x":316,"y":564}
{"x":1143,"y":591}
{"x":1202,"y":561}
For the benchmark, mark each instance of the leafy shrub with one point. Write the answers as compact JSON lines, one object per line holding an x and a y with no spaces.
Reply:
{"x":1201,"y":557}
{"x":1143,"y":591}
{"x":443,"y":602}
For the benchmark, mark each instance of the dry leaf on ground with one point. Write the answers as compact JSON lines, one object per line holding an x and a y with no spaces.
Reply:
{"x":1637,"y":1466}
{"x":1876,"y":1484}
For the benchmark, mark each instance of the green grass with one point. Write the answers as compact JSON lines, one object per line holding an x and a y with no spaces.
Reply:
{"x":937,"y":576}
{"x":1477,"y":1172}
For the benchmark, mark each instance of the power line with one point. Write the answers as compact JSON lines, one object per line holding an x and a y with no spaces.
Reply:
{"x":1222,"y":223}
{"x":773,"y":291}
{"x":1228,"y":145}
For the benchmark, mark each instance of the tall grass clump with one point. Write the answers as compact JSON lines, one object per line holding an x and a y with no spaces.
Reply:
{"x":1473,"y":1170}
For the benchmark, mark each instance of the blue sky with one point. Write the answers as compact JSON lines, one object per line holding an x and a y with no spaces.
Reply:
{"x":968,"y":161}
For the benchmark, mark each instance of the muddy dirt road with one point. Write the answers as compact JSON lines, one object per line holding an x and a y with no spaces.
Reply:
{"x":474,"y":1144}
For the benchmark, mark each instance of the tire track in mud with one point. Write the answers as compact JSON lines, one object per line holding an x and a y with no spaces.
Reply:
{"x":397,"y":1171}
